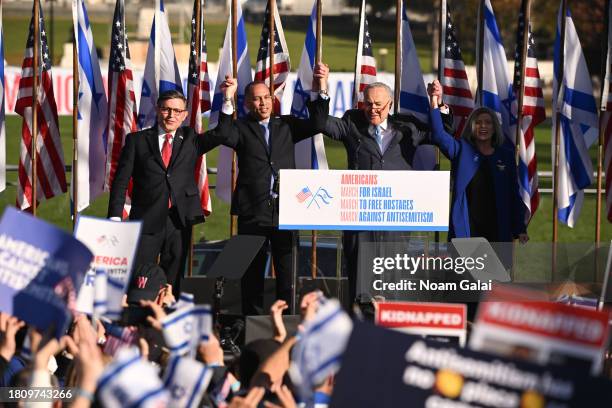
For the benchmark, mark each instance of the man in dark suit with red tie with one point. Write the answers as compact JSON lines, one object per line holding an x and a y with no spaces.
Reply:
{"x":161,"y":162}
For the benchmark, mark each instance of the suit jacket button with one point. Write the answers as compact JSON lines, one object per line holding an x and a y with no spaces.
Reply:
{"x":271,"y":163}
{"x":168,"y":175}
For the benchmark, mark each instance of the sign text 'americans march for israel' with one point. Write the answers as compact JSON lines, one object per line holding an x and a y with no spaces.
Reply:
{"x":364,"y":200}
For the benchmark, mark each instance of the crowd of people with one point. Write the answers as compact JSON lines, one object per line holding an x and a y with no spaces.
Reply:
{"x":84,"y":360}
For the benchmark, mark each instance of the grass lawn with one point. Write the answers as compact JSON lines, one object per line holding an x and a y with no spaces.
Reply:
{"x":339,"y":49}
{"x":57,"y":210}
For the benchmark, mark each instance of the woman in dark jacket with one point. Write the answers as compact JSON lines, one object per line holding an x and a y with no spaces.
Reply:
{"x":486,"y":202}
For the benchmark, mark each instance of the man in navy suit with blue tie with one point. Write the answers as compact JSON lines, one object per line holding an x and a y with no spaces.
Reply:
{"x":264,"y":144}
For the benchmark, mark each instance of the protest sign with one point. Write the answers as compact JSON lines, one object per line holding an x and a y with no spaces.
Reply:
{"x":41,"y":267}
{"x":383,"y":368}
{"x":441,"y":320}
{"x":510,"y":323}
{"x":364,"y":200}
{"x":114,"y":247}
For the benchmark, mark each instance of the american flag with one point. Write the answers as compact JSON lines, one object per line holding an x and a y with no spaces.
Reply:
{"x":51,"y":176}
{"x":365,"y":64}
{"x":198,"y":99}
{"x":456,"y":88}
{"x":303,"y":194}
{"x":282,"y":66}
{"x":533,"y":114}
{"x":122,"y":100}
{"x":606,"y":101}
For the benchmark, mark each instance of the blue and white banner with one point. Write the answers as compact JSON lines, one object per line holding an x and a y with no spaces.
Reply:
{"x":413,"y":94}
{"x":186,"y":328}
{"x":319,"y":351}
{"x":186,"y":381}
{"x":114,"y":247}
{"x":244,"y":77}
{"x":579,"y":122}
{"x":496,"y":88}
{"x":41,"y":267}
{"x":161,"y":72}
{"x":93,"y":113}
{"x":309,"y":153}
{"x":131,"y":381}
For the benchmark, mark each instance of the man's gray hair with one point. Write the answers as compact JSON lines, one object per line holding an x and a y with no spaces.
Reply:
{"x":379,"y":85}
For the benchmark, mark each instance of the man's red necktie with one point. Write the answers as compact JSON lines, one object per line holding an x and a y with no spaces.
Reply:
{"x":166,"y":150}
{"x":166,"y":153}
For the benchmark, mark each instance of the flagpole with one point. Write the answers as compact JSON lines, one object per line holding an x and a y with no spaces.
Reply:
{"x":441,"y":52}
{"x":557,"y":143}
{"x":75,"y":120}
{"x":398,"y":54}
{"x":235,"y":114}
{"x":357,"y":53}
{"x":520,"y":101}
{"x":198,"y":49}
{"x":35,"y":64}
{"x":272,"y":5}
{"x":605,"y":64}
{"x":479,"y":51}
{"x":318,"y":58}
{"x":521,"y":90}
{"x":558,"y":133}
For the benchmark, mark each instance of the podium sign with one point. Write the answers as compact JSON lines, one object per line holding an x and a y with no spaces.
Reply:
{"x":364,"y":200}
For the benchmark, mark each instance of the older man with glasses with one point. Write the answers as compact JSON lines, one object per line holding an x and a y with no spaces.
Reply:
{"x":161,"y":162}
{"x":374,"y":140}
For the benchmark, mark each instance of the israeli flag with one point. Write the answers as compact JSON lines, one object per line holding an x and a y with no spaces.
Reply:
{"x":244,"y":76}
{"x":185,"y":300}
{"x":130,"y":381}
{"x":187,"y":327}
{"x":161,"y":72}
{"x":496,"y":88}
{"x":413,"y":94}
{"x":92,"y":113}
{"x":578,"y":120}
{"x":318,"y":353}
{"x":309,"y":153}
{"x":186,"y":381}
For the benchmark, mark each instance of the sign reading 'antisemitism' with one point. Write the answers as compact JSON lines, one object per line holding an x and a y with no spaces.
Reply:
{"x":364,"y":200}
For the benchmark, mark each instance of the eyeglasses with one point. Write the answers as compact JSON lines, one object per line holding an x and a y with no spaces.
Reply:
{"x":165,"y":110}
{"x":376,"y":106}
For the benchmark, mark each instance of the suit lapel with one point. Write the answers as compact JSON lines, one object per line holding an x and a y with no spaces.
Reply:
{"x":153,"y":142}
{"x":177,"y":145}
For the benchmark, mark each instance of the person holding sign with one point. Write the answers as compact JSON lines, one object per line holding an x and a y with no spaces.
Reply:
{"x":160,"y":161}
{"x":486,"y":202}
{"x":374,"y":139}
{"x":264,"y":144}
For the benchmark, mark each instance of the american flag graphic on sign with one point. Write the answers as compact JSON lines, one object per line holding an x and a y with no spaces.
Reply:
{"x":303,"y":194}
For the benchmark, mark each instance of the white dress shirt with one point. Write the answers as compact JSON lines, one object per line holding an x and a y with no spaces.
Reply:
{"x":387,"y":133}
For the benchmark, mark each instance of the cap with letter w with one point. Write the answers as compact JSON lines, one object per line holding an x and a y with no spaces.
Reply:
{"x":146,"y":282}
